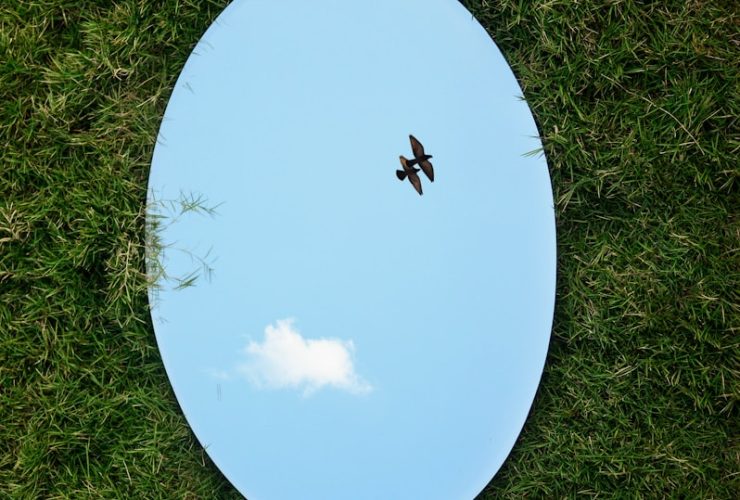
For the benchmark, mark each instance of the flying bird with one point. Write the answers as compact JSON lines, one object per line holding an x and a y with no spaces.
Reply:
{"x":410,"y":172}
{"x":420,"y":158}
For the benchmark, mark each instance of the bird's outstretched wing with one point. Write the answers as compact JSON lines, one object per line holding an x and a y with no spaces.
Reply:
{"x":416,"y":182}
{"x":426,"y":166}
{"x":404,"y":163}
{"x":416,"y":147}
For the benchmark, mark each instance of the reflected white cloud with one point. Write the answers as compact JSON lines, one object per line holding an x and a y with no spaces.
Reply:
{"x":284,"y":359}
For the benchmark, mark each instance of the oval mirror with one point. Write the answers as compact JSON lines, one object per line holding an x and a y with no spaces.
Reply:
{"x":338,"y":321}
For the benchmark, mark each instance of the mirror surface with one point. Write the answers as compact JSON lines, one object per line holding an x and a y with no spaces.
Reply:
{"x":354,"y":339}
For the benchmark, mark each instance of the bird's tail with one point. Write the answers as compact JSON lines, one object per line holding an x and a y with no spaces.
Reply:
{"x":400,"y":174}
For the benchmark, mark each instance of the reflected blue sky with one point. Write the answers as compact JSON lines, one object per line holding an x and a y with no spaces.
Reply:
{"x":356,"y":340}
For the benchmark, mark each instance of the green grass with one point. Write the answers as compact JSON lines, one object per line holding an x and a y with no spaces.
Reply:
{"x":638,"y":109}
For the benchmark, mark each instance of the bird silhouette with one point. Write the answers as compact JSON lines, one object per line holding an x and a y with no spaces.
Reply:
{"x":410,"y":172}
{"x":420,"y":158}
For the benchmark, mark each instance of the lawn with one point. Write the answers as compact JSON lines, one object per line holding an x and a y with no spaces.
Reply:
{"x":637,"y":105}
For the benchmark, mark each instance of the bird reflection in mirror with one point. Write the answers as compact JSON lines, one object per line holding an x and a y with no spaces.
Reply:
{"x":410,"y":172}
{"x":421,"y":159}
